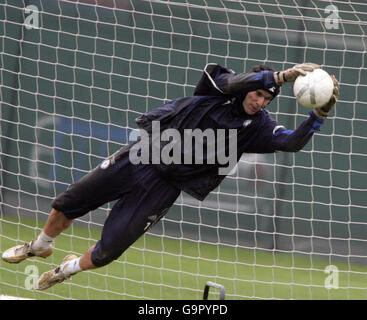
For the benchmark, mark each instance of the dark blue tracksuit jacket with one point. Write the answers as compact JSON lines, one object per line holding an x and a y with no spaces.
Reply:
{"x":217,"y":104}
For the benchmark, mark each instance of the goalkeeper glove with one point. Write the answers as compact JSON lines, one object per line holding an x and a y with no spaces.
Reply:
{"x":291,"y":74}
{"x":323,"y":111}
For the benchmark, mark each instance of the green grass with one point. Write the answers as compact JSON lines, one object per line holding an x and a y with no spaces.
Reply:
{"x":156,"y":268}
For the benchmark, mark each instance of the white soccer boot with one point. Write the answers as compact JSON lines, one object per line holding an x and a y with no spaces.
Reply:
{"x":23,"y":251}
{"x":57,"y":275}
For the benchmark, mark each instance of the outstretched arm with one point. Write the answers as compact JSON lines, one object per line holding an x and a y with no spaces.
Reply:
{"x":287,"y":140}
{"x":249,"y":81}
{"x":295,"y":140}
{"x":218,"y":80}
{"x":275,"y":137}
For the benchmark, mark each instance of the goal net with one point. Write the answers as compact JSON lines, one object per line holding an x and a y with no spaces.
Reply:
{"x":75,"y":75}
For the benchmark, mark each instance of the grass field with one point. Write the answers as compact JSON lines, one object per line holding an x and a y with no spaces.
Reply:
{"x":157,"y":268}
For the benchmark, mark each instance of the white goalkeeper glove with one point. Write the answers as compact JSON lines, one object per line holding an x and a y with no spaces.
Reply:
{"x":323,"y":111}
{"x":291,"y":74}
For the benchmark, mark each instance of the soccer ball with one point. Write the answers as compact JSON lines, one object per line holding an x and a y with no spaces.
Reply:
{"x":314,"y":89}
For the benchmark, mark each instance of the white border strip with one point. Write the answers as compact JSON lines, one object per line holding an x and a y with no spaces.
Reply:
{"x":5,"y":297}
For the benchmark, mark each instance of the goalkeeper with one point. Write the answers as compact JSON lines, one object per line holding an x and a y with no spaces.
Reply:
{"x":222,"y":100}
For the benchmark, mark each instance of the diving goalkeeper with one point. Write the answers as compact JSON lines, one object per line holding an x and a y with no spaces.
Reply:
{"x":222,"y":100}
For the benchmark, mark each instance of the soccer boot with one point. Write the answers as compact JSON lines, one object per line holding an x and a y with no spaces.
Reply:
{"x":57,"y":275}
{"x":23,"y":251}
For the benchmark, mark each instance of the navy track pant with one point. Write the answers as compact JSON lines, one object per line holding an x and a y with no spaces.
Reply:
{"x":143,"y":198}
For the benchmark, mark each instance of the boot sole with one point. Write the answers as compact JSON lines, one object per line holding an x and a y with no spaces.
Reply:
{"x":44,"y":281}
{"x":17,"y":259}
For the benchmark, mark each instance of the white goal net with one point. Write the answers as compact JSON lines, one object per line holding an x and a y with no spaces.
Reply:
{"x":75,"y":75}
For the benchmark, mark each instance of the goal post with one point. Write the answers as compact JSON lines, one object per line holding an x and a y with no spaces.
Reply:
{"x":75,"y":75}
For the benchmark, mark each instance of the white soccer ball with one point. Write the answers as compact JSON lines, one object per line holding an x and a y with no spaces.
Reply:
{"x":314,"y":89}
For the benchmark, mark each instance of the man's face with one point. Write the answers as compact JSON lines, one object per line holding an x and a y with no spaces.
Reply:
{"x":255,"y":100}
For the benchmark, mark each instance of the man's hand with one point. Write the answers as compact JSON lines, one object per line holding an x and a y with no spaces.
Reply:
{"x":290,"y":75}
{"x":323,"y":111}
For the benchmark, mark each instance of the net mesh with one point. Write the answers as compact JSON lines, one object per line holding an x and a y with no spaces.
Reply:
{"x":76,"y":74}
